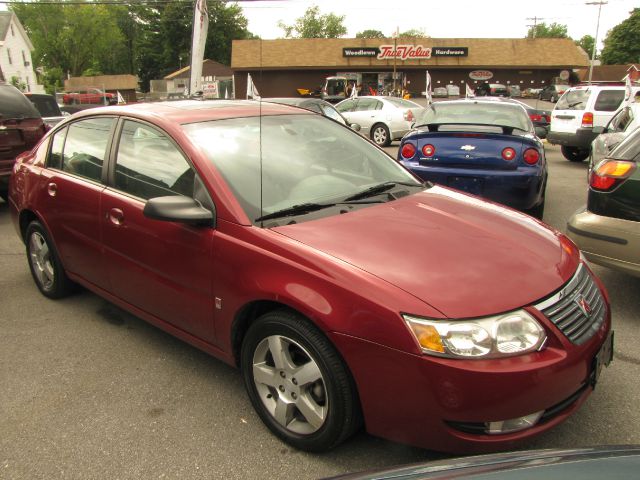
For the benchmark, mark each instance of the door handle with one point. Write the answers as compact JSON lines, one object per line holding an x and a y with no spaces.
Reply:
{"x":116,"y":216}
{"x":52,"y":189}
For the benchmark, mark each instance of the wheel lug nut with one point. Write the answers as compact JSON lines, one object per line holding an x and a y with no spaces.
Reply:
{"x":294,"y":396}
{"x":282,"y":374}
{"x":294,"y":381}
{"x":281,"y":388}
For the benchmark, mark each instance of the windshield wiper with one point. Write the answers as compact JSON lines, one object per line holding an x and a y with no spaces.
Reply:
{"x":380,"y":188}
{"x":305,"y":208}
{"x":295,"y":210}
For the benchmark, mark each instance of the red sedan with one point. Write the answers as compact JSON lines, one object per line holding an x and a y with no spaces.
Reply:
{"x":347,"y":291}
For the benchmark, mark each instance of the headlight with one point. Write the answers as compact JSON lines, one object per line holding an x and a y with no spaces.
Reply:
{"x":503,"y":335}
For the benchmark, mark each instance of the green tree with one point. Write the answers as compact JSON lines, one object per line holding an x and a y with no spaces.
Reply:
{"x":314,"y":25}
{"x":72,"y":37}
{"x":553,"y":30}
{"x":370,"y":34}
{"x":587,"y":42}
{"x":413,"y":33}
{"x":622,"y":44}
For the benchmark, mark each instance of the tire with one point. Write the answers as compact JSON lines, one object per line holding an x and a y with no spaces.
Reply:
{"x":380,"y":135}
{"x":44,"y":263}
{"x":575,"y":154}
{"x":553,"y":99}
{"x":316,"y":415}
{"x":538,"y":210}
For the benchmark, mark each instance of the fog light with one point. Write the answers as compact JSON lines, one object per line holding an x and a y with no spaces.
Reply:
{"x":513,"y":425}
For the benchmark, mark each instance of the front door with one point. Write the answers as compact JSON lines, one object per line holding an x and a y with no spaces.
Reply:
{"x":162,"y":268}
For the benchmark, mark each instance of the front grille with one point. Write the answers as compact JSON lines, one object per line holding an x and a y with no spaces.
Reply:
{"x":578,"y":309}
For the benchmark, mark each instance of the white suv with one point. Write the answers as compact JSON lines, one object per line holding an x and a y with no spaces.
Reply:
{"x":576,"y":114}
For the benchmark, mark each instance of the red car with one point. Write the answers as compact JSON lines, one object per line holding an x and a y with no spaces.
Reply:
{"x":92,"y":96}
{"x":347,"y":291}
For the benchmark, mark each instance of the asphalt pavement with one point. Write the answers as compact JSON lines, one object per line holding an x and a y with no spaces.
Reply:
{"x":89,"y":391}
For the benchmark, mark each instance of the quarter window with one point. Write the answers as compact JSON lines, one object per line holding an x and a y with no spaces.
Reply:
{"x":346,"y":106}
{"x":57,"y":145}
{"x":149,"y":165}
{"x":609,"y":100}
{"x":85,"y":147}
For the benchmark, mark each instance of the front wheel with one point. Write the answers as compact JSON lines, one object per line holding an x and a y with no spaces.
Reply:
{"x":380,"y":135}
{"x":575,"y":154}
{"x":297,"y":382}
{"x":44,"y":263}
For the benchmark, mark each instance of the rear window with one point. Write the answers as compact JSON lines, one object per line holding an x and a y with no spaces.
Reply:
{"x":13,"y":104}
{"x":609,"y":100}
{"x":475,"y":113}
{"x":629,"y":148}
{"x":573,"y":100}
{"x":46,"y":105}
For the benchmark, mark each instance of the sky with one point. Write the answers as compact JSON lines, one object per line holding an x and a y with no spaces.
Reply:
{"x":444,"y":18}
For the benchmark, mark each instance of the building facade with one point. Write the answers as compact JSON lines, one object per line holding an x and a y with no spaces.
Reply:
{"x":280,"y":67}
{"x":15,"y":53}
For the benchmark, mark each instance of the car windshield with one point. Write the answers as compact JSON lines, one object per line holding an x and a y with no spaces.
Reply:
{"x":304,"y":159}
{"x":573,"y":100}
{"x":47,"y":106}
{"x":476,"y":113}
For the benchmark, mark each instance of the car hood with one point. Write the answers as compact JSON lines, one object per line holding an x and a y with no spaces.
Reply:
{"x":459,"y":254}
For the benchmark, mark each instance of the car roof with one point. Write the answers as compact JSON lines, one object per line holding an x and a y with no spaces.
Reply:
{"x":193,"y":111}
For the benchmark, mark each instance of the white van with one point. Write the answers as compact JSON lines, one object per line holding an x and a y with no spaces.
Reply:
{"x":578,"y":112}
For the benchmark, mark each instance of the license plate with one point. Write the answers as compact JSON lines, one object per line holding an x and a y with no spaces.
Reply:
{"x":602,"y":359}
{"x":466,"y":184}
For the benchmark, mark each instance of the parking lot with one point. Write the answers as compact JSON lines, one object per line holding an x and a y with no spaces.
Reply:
{"x":88,"y":391}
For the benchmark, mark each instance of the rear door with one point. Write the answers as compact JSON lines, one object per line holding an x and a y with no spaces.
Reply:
{"x":69,"y":195}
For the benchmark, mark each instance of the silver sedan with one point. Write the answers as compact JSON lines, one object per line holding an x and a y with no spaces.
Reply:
{"x":383,"y":119}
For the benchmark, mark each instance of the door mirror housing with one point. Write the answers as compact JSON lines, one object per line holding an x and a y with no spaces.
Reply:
{"x":177,"y":208}
{"x":355,"y":127}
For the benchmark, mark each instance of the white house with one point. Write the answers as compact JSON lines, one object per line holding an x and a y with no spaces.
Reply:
{"x":15,"y":53}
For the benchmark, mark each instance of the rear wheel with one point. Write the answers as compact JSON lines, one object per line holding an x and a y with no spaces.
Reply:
{"x":575,"y":154}
{"x":44,"y":263}
{"x":298,"y":383}
{"x":380,"y":135}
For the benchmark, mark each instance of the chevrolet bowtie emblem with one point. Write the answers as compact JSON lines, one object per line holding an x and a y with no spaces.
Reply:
{"x":467,"y":147}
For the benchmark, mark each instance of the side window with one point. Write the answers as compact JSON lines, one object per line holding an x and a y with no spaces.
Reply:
{"x":148,"y":165}
{"x":346,"y":106}
{"x":86,"y":146}
{"x":378,"y":105}
{"x":609,"y":100}
{"x":55,"y":155}
{"x":365,"y":104}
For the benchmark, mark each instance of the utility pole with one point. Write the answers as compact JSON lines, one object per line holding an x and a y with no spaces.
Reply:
{"x":395,"y":57}
{"x":535,"y":24}
{"x":595,"y":42}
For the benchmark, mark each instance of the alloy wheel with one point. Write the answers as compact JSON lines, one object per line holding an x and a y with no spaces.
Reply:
{"x":290,"y":384}
{"x":41,"y":260}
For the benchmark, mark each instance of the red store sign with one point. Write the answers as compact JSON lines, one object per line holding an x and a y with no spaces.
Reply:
{"x":404,"y":52}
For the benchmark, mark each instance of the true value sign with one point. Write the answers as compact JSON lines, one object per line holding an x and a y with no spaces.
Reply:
{"x":404,"y":52}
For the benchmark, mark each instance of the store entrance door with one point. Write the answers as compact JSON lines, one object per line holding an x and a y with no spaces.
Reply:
{"x":369,"y":84}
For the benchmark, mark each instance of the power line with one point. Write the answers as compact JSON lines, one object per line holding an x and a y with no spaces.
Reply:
{"x":535,"y":24}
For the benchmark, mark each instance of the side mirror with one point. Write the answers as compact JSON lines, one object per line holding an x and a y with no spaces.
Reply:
{"x":598,"y":130}
{"x":541,"y":132}
{"x":355,"y":127}
{"x":177,"y":209}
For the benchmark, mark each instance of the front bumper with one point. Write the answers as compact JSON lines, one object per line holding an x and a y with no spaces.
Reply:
{"x":582,"y":138}
{"x":520,"y":189}
{"x":611,"y":242}
{"x":426,"y":401}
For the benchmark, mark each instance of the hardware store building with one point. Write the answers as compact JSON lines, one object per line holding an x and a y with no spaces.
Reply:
{"x":280,"y":67}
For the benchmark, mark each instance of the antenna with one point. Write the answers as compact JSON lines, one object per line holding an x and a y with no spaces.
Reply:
{"x":535,"y":24}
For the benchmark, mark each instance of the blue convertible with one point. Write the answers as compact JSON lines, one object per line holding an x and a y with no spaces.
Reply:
{"x":485,"y":148}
